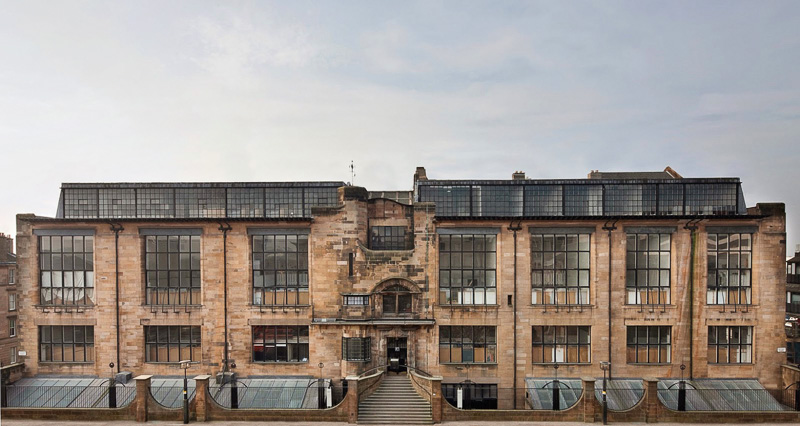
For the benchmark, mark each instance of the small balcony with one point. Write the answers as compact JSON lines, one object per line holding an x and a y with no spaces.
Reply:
{"x":793,"y":278}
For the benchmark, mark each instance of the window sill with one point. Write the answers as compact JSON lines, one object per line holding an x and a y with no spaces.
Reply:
{"x":721,"y":364}
{"x":279,"y":362}
{"x":172,"y":306}
{"x":553,"y":305}
{"x":69,"y":307}
{"x":252,"y":306}
{"x":66,"y":362}
{"x":171,"y":362}
{"x":357,"y":360}
{"x":468,"y":306}
{"x":469,"y":363}
{"x":649,"y":364}
{"x":551,"y":364}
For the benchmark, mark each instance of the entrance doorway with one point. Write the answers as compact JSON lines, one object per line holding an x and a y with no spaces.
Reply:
{"x":396,"y":353}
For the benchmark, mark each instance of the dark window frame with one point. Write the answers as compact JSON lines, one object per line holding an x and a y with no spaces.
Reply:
{"x":280,"y":275}
{"x":558,"y":339}
{"x":179,"y":338}
{"x":172,"y":269}
{"x":399,"y":298}
{"x":357,"y":349}
{"x":387,"y":237}
{"x":721,"y":274}
{"x":60,"y":264}
{"x":280,"y":344}
{"x":453,"y":340}
{"x":460,"y":255}
{"x":52,"y":340}
{"x":355,"y":300}
{"x":720,"y":341}
{"x":560,"y":269}
{"x":482,"y":396}
{"x":650,"y":340}
{"x":645,"y":258}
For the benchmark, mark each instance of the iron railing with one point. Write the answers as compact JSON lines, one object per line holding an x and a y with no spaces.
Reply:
{"x":246,"y":396}
{"x":66,"y":396}
{"x":171,"y":396}
{"x":726,"y":399}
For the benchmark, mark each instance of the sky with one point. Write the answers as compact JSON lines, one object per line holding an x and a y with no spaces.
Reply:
{"x":146,"y":91}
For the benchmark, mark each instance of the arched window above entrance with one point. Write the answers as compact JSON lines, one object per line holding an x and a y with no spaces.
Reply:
{"x":397,"y":300}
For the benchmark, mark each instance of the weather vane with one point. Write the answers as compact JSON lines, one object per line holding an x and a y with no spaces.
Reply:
{"x":352,"y":173}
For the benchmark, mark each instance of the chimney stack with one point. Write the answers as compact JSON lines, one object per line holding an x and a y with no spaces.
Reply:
{"x":518,"y":175}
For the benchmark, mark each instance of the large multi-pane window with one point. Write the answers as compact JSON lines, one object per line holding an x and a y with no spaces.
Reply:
{"x":387,"y":237}
{"x":172,"y":268}
{"x":66,"y":343}
{"x":467,"y":344}
{"x":66,"y":264}
{"x":280,"y":343}
{"x":649,"y":344}
{"x":560,"y":269}
{"x":647,"y":278}
{"x":467,"y":269}
{"x":730,"y":344}
{"x":729,"y":269}
{"x":280,"y":269}
{"x":172,"y":343}
{"x":561,"y":344}
{"x":356,"y":348}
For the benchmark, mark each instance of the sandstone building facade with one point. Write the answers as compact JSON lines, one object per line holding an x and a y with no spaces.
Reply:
{"x":487,"y":281}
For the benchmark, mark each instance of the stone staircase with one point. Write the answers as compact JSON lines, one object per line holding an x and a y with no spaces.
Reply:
{"x":395,"y":402}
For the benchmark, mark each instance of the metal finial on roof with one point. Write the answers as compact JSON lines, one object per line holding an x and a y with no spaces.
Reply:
{"x":352,"y":173}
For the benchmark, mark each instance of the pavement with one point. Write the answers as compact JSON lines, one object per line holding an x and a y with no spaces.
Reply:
{"x":132,"y":423}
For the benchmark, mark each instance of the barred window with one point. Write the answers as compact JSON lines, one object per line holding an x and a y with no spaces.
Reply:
{"x":66,"y":343}
{"x":467,"y":269}
{"x":561,"y":344}
{"x":280,"y":343}
{"x":647,"y":277}
{"x":467,"y":344}
{"x":356,"y":300}
{"x":730,"y":345}
{"x":729,"y":269}
{"x":649,"y":345}
{"x":387,"y":237}
{"x":172,"y":268}
{"x":280,"y":270}
{"x":66,"y":265}
{"x":560,"y":269}
{"x":356,"y":348}
{"x":172,"y":343}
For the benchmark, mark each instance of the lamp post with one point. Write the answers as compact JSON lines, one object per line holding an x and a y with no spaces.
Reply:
{"x":682,"y":391}
{"x":112,"y":388}
{"x":185,"y":366}
{"x":320,"y":390}
{"x":234,"y":388}
{"x":605,"y":365}
{"x":556,"y":391}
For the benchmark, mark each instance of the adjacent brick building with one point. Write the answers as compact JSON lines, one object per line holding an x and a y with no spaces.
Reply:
{"x":487,"y":281}
{"x":9,"y":328}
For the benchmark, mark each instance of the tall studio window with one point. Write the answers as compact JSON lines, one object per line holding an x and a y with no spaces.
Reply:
{"x":729,"y":269}
{"x":280,"y":343}
{"x":387,"y":237}
{"x":467,"y":269}
{"x":561,"y":344}
{"x":730,"y":344}
{"x":172,"y":267}
{"x":280,"y":270}
{"x":356,"y":348}
{"x":67,"y":269}
{"x":647,"y":279}
{"x":172,"y":343}
{"x":467,"y":344}
{"x":649,"y":345}
{"x":560,"y":269}
{"x":66,"y":343}
{"x":397,"y":300}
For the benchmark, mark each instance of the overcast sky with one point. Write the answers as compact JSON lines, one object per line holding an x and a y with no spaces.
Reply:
{"x":282,"y":91}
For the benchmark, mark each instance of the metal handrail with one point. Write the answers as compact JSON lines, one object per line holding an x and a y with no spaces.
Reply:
{"x":365,"y":373}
